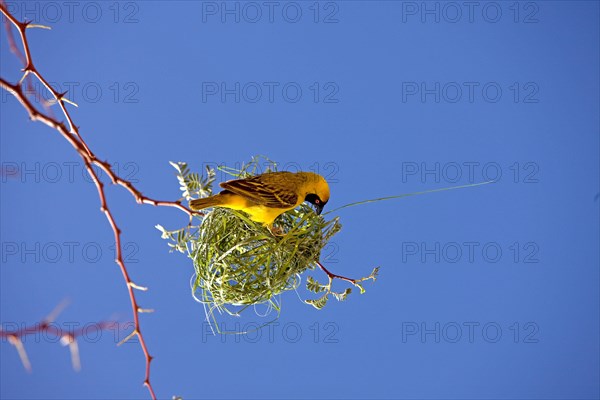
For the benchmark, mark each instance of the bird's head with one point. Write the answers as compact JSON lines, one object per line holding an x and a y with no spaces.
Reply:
{"x":317,"y":191}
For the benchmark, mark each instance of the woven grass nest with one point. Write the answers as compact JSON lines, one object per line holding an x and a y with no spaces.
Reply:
{"x":239,"y":263}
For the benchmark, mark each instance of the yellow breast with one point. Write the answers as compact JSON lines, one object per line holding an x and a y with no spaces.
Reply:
{"x":264,"y":215}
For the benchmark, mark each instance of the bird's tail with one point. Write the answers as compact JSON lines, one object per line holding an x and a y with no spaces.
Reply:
{"x":199,"y":204}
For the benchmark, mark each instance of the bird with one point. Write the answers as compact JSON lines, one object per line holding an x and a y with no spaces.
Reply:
{"x":264,"y":197}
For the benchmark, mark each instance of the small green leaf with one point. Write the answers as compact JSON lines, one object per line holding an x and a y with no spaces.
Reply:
{"x":342,"y":296}
{"x":318,"y":303}
{"x":314,"y":286}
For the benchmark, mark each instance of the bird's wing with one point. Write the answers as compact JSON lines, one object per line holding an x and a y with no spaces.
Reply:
{"x":276,"y":190}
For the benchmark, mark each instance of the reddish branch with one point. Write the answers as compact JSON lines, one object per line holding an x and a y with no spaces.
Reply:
{"x":73,"y":136}
{"x":67,"y":338}
{"x":335,"y":276}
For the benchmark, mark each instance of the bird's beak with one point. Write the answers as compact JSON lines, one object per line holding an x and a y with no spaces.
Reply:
{"x":318,"y":209}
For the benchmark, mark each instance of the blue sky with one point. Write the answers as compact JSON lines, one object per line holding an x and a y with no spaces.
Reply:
{"x":485,"y":292}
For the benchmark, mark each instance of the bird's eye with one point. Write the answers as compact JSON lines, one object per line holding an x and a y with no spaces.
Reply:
{"x":317,"y":201}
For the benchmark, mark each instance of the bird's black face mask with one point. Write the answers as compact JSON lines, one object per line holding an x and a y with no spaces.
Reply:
{"x":315,"y":201}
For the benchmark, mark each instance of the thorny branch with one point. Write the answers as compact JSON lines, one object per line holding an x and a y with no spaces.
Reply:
{"x":73,"y":136}
{"x":67,"y":338}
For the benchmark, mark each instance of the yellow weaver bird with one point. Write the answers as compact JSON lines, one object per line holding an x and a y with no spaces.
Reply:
{"x":265,"y":197}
